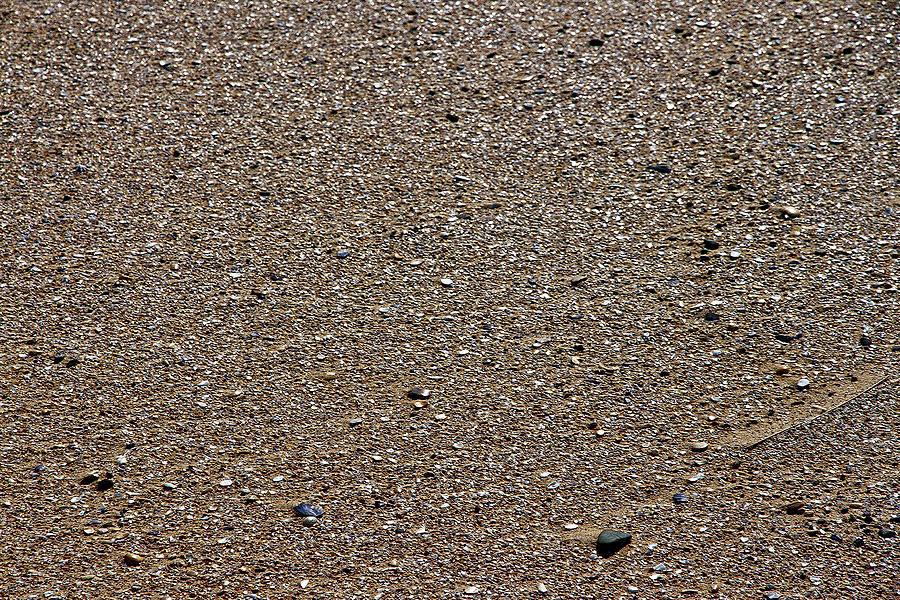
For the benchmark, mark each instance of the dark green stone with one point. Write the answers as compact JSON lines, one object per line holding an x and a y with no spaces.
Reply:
{"x":609,"y":541}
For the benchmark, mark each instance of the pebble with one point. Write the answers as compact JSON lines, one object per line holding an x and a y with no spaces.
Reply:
{"x":225,"y":483}
{"x":446,"y":282}
{"x":679,"y":498}
{"x":418,"y":393}
{"x":803,"y":384}
{"x":611,"y":541}
{"x":308,"y":510}
{"x":663,"y":169}
{"x":343,"y":254}
{"x":105,"y":484}
{"x":865,"y":341}
{"x":699,"y":446}
{"x":710,"y":317}
{"x":542,"y":588}
{"x":472,"y":590}
{"x":571,"y":526}
{"x":309,"y":521}
{"x":789,"y":211}
{"x":132,"y":560}
{"x":696,"y":478}
{"x":887,"y":533}
{"x":711,"y":244}
{"x":355,"y":422}
{"x":168,"y":486}
{"x":632,"y":589}
{"x":782,"y":370}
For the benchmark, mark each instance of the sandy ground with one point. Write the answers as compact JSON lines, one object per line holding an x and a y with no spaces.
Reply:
{"x":620,"y":244}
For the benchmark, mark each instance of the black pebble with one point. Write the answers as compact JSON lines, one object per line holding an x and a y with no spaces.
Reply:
{"x":595,"y":43}
{"x":865,"y":341}
{"x":679,"y":498}
{"x":343,"y":254}
{"x":858,"y":542}
{"x":105,"y":484}
{"x":453,"y":118}
{"x":710,"y":317}
{"x":711,"y":244}
{"x":887,"y":533}
{"x":783,"y":337}
{"x":308,"y":510}
{"x":733,"y":187}
{"x":609,"y":542}
{"x":664,"y":169}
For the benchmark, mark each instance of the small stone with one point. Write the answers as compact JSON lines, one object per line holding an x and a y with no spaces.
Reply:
{"x":803,"y":384}
{"x":309,"y":521}
{"x":225,"y":483}
{"x":711,"y":244}
{"x":89,"y":479}
{"x":789,"y":211}
{"x":782,"y":370}
{"x":577,"y":280}
{"x":355,"y":422}
{"x":887,"y":533}
{"x":794,"y":508}
{"x":595,"y":43}
{"x":105,"y":484}
{"x":663,"y":169}
{"x":420,"y":404}
{"x":168,"y":486}
{"x":570,"y":526}
{"x":710,"y":317}
{"x":632,"y":589}
{"x":542,"y":588}
{"x":611,"y":541}
{"x":132,"y":560}
{"x":308,"y":510}
{"x":679,"y":498}
{"x":418,"y":393}
{"x":472,"y":590}
{"x":343,"y":254}
{"x":699,"y":446}
{"x":865,"y":341}
{"x":735,"y":254}
{"x":696,"y":478}
{"x":446,"y":282}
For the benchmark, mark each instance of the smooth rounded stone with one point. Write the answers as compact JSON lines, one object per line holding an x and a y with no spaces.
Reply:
{"x":782,"y":369}
{"x":679,"y":498}
{"x":632,"y":589}
{"x":471,"y":590}
{"x":446,"y":282}
{"x":225,"y":483}
{"x":418,"y":393}
{"x":309,"y":521}
{"x":711,"y":244}
{"x":577,"y":280}
{"x":571,"y":526}
{"x":865,"y":341}
{"x":735,"y":254}
{"x":132,"y":560}
{"x":168,"y":486}
{"x":542,"y":588}
{"x":887,"y":533}
{"x":711,"y":317}
{"x":699,"y":446}
{"x":662,"y":169}
{"x":795,"y":508}
{"x":89,"y":479}
{"x":611,"y":541}
{"x":790,"y":212}
{"x":803,"y":384}
{"x":343,"y":254}
{"x":355,"y":422}
{"x":308,"y":510}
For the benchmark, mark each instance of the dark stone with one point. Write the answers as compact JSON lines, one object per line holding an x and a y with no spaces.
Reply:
{"x":664,"y":169}
{"x":343,"y":254}
{"x":308,"y":510}
{"x":679,"y":498}
{"x":783,"y":337}
{"x":418,"y":393}
{"x":711,"y":244}
{"x":105,"y":484}
{"x":595,"y":43}
{"x":733,"y":187}
{"x":865,"y":341}
{"x":858,"y":542}
{"x":716,"y":71}
{"x":887,"y":533}
{"x":710,"y":317}
{"x":610,"y":541}
{"x":453,"y":118}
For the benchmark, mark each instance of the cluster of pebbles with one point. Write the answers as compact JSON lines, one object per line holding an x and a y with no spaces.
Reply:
{"x":437,"y":300}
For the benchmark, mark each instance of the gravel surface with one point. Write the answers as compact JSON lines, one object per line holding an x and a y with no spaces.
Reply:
{"x":471,"y":282}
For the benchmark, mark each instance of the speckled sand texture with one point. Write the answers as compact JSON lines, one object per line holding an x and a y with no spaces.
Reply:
{"x":616,"y":246}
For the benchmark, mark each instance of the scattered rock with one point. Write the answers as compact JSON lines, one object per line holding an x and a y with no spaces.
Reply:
{"x":132,"y":560}
{"x":803,"y":384}
{"x":789,"y":212}
{"x":105,"y":484}
{"x":865,"y":341}
{"x":711,"y":317}
{"x":418,"y":393}
{"x":309,"y":521}
{"x":542,"y":588}
{"x":355,"y":422}
{"x":679,"y":498}
{"x":699,"y":447}
{"x":887,"y":533}
{"x":711,"y":244}
{"x":446,"y":282}
{"x":308,"y":510}
{"x":782,"y":370}
{"x":611,"y":541}
{"x":225,"y":483}
{"x":664,"y":169}
{"x":577,"y":280}
{"x":472,"y":590}
{"x":795,"y":508}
